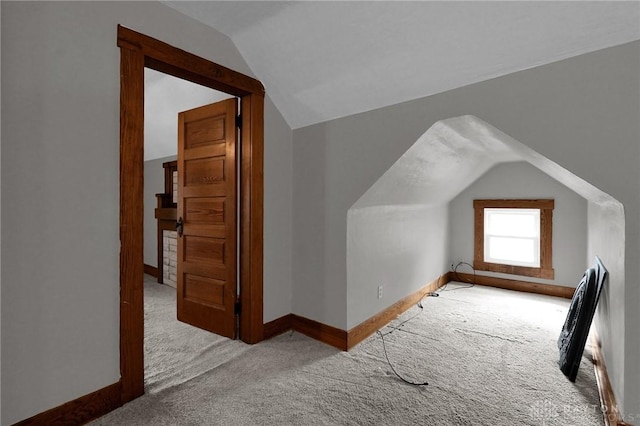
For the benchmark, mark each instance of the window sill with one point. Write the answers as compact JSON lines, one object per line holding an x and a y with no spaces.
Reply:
{"x":515,"y":270}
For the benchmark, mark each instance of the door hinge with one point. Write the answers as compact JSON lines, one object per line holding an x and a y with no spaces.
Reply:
{"x":239,"y":121}
{"x":236,"y":309}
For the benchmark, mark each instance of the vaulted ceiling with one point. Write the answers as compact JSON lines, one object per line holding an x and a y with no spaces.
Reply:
{"x":323,"y":60}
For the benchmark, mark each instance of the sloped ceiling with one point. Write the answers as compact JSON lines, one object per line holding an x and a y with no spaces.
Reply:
{"x":324,"y":60}
{"x":451,"y":155}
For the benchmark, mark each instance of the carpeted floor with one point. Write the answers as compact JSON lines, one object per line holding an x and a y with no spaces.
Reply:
{"x":489,"y":355}
{"x":175,"y":352}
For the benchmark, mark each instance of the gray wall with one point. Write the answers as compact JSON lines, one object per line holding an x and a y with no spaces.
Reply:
{"x":398,"y":231}
{"x":581,"y":113}
{"x":277,"y":214}
{"x":401,"y":247}
{"x":522,"y":180}
{"x":164,"y":97}
{"x":153,"y":184}
{"x":60,"y":192}
{"x":615,"y":322}
{"x":60,"y":103}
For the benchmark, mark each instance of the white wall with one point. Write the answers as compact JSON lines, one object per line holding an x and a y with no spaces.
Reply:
{"x":278,"y":233}
{"x":164,"y":97}
{"x":581,"y":113}
{"x":60,"y":103}
{"x":522,"y":180}
{"x":606,"y":239}
{"x":153,"y":184}
{"x":401,"y":247}
{"x":398,"y":230}
{"x":60,"y":192}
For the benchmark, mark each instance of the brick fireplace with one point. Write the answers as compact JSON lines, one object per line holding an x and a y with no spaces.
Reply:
{"x":169,"y":257}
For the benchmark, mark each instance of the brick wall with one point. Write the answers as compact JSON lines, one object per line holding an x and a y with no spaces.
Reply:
{"x":175,"y":187}
{"x":169,"y":257}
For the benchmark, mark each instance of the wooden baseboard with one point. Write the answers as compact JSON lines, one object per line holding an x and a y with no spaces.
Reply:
{"x":314,"y":329}
{"x":366,"y":328}
{"x":278,"y":326}
{"x":526,"y":286}
{"x":151,"y":270}
{"x":322,"y":332}
{"x":611,"y":414}
{"x":81,"y":410}
{"x":342,"y":339}
{"x":346,"y":340}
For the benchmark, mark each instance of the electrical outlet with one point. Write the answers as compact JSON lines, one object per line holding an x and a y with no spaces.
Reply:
{"x":379,"y":292}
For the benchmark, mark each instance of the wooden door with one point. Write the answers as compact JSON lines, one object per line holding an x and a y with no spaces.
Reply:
{"x":207,"y":194}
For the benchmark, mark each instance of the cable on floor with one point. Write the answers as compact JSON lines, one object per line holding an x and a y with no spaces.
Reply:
{"x":457,"y":278}
{"x":384,"y":345}
{"x":419,"y":304}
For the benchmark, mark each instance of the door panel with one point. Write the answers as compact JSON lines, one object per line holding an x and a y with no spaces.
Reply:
{"x":204,"y":210}
{"x":204,"y":131}
{"x":204,"y":290}
{"x":207,"y":195}
{"x":204,"y":171}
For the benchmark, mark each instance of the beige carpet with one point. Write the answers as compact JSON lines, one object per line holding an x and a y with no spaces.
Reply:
{"x":489,"y":355}
{"x":175,"y":352}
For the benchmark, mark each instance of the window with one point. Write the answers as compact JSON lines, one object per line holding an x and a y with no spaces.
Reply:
{"x":514,"y":237}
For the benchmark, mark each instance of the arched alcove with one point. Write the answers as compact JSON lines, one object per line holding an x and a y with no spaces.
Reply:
{"x":399,"y":230}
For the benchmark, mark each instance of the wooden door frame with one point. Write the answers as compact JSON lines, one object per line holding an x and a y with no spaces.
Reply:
{"x":138,"y":51}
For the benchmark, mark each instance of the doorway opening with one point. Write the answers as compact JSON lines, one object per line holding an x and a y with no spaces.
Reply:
{"x":174,"y":349}
{"x":137,"y":52}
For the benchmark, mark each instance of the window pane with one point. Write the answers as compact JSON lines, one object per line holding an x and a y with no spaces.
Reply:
{"x":510,"y":236}
{"x":512,"y":222}
{"x":523,"y":251}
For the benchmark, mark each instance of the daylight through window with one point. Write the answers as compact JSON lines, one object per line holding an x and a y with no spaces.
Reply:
{"x":514,"y":237}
